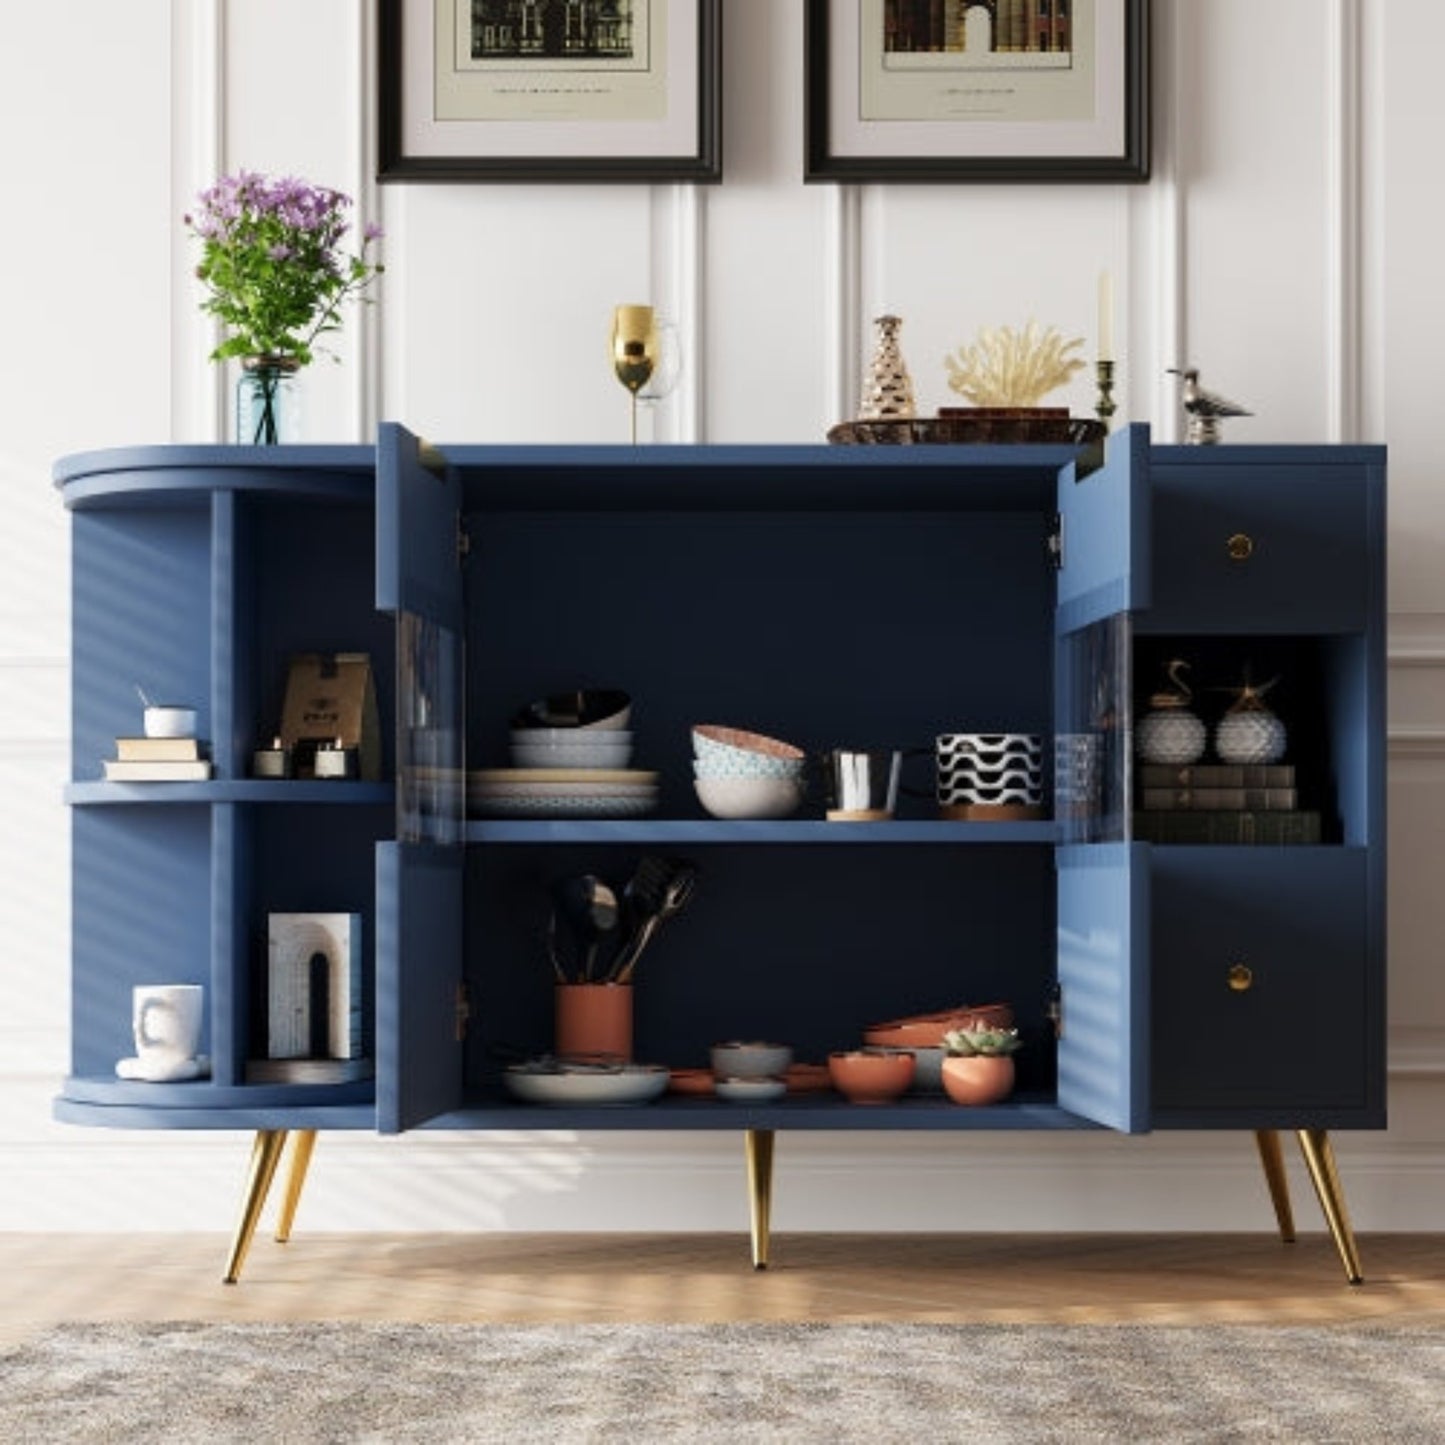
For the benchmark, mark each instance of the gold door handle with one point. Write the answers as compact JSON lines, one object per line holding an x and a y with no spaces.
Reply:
{"x":1240,"y":546}
{"x":1241,"y":977}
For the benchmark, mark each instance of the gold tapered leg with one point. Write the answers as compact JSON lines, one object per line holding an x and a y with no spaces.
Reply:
{"x":265,"y":1155}
{"x":1272,"y":1157}
{"x":759,"y":1146}
{"x":1320,"y":1160}
{"x":303,"y":1141}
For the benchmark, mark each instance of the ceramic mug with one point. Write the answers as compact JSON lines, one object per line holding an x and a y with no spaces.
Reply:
{"x":166,"y":1018}
{"x":990,"y":775}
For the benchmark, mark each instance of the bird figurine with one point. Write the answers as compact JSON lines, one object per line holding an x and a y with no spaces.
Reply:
{"x":1205,"y":409}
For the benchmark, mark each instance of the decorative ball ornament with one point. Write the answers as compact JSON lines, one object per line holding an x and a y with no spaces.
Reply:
{"x":1169,"y":732}
{"x":1249,"y":732}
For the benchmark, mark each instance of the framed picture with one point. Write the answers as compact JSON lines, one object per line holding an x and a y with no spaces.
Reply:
{"x":549,"y":90}
{"x":977,"y":90}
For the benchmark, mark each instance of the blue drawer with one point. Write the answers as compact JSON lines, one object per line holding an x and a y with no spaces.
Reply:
{"x":1267,"y":548}
{"x":1262,"y":998}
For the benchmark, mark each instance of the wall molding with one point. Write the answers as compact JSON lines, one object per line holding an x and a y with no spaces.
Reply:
{"x":198,"y":154}
{"x":1170,"y":278}
{"x":1343,"y":228}
{"x":843,"y":300}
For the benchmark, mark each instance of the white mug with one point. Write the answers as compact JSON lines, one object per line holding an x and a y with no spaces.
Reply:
{"x":167,"y":1021}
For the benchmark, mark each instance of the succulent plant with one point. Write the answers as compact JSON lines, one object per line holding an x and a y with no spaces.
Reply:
{"x":966,"y":1042}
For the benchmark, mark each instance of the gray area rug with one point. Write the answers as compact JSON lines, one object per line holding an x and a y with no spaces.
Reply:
{"x":161,"y":1384}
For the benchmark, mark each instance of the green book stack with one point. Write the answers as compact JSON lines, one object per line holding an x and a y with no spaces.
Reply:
{"x":1222,"y":803}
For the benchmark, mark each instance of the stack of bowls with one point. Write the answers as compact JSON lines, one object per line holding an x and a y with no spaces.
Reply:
{"x":750,"y":1072}
{"x":585,"y":729}
{"x":570,"y":756}
{"x":741,"y":774}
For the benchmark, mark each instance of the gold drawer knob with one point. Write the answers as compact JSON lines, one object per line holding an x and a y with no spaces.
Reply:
{"x":1240,"y":546}
{"x":1241,"y":977}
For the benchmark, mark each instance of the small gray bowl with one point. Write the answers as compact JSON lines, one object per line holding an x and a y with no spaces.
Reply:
{"x":749,"y":1060}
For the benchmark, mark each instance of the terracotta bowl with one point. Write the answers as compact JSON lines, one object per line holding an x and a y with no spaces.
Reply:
{"x":807,"y":1078}
{"x":691,"y":1081}
{"x":869,"y":1076}
{"x":926,"y":1031}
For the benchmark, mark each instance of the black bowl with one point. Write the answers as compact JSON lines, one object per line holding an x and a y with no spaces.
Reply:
{"x":578,"y":709}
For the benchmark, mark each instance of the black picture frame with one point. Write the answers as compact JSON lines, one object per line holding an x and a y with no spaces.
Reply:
{"x":826,"y":161}
{"x":401,"y":160}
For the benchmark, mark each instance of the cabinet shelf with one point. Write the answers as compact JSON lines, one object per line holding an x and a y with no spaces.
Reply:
{"x":233,"y":790}
{"x":805,"y":1111}
{"x":788,"y":831}
{"x":206,"y":1104}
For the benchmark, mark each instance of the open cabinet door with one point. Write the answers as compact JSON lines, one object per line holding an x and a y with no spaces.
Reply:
{"x":1104,"y":534}
{"x":1103,"y":953}
{"x":419,"y":875}
{"x":1102,"y":878}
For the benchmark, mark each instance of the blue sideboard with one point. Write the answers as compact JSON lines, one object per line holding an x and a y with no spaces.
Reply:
{"x":870,"y":596}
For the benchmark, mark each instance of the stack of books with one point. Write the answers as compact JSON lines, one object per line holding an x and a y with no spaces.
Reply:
{"x":1222,"y":803}
{"x":158,"y":760}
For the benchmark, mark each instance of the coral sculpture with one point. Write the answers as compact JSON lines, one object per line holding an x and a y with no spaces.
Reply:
{"x":1004,"y":367}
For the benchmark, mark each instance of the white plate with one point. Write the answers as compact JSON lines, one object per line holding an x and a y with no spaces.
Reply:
{"x":562,"y":790}
{"x":633,"y":1084}
{"x":564,"y":805}
{"x":559,"y":775}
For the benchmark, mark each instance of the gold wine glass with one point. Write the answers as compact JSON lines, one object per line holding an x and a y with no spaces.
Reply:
{"x":634,"y":350}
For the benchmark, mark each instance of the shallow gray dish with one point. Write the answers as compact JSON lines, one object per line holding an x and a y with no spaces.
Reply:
{"x":631,"y":1084}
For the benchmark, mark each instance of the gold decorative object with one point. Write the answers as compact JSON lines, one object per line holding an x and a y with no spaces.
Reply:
{"x":1104,"y":407}
{"x":634,"y":350}
{"x":1004,"y":367}
{"x":888,"y":388}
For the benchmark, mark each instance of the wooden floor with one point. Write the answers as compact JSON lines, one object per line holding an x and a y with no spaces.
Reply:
{"x":1093,"y":1279}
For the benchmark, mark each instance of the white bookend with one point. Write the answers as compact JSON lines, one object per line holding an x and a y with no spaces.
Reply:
{"x":315,"y":992}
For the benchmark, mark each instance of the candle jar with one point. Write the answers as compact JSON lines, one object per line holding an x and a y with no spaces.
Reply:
{"x":272,"y":762}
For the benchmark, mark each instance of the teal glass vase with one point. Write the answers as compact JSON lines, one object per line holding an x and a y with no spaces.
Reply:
{"x":268,"y":401}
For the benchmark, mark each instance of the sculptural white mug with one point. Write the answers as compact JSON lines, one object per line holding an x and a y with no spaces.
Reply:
{"x":167,"y":1021}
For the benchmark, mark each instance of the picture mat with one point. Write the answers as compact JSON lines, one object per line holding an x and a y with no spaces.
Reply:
{"x":643,"y":114}
{"x":1075,"y":111}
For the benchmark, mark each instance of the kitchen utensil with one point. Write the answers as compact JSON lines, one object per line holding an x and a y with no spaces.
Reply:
{"x":663,"y":893}
{"x":589,"y":908}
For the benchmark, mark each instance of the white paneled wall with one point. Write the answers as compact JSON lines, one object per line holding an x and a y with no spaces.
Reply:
{"x":1287,"y":245}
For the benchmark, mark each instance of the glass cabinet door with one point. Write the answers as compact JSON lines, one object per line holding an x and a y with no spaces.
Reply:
{"x":1102,"y":878}
{"x":419,"y":874}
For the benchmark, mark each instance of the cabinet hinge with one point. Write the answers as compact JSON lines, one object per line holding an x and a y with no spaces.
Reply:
{"x":1054,"y":1010}
{"x":463,"y":1012}
{"x":464,"y":541}
{"x":1055,"y":542}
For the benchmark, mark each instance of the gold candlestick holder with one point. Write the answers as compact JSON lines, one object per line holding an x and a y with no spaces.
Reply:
{"x":1104,"y":407}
